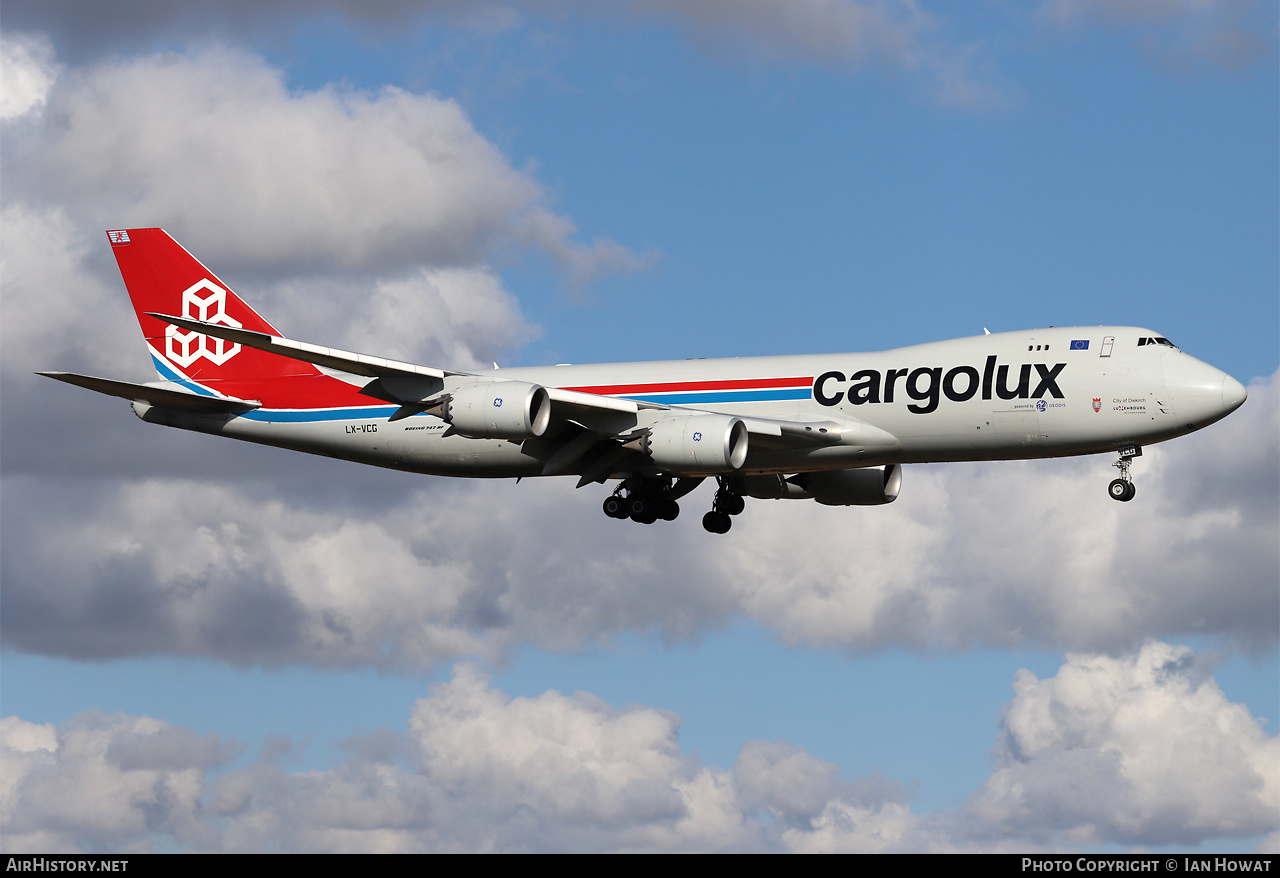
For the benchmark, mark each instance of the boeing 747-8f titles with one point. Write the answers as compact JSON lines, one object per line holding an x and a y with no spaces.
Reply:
{"x":832,"y":428}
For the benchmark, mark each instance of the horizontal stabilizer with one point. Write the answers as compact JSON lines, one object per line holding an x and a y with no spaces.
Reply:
{"x":346,"y":361}
{"x":162,"y":396}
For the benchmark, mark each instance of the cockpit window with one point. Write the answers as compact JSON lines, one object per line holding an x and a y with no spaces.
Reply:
{"x":1157,"y":340}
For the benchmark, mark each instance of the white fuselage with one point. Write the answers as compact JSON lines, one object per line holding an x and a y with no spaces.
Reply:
{"x":1041,"y":393}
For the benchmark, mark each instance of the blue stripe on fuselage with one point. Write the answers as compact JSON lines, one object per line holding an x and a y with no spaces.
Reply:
{"x":168,"y":373}
{"x":300,"y":416}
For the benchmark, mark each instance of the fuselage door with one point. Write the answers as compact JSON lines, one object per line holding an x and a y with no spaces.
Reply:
{"x":1020,"y":427}
{"x":1107,"y":343}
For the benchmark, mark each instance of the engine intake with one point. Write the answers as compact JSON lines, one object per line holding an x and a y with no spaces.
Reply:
{"x":498,"y":410}
{"x":698,"y":444}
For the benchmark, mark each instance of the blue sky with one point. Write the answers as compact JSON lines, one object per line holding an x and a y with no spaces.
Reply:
{"x":655,"y":181}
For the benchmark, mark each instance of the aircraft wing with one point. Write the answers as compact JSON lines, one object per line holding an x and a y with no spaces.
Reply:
{"x":179,"y":399}
{"x":608,"y":415}
{"x":774,"y":433}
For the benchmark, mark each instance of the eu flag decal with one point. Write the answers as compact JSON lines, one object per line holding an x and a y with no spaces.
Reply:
{"x":1080,"y":344}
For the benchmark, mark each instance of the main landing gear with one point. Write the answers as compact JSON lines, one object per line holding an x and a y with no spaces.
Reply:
{"x":648,"y":499}
{"x":727,"y":502}
{"x":642,"y":500}
{"x":1123,"y":488}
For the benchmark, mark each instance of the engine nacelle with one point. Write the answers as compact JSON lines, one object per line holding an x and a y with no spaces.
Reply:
{"x":698,"y":444}
{"x":870,"y":486}
{"x":498,"y":410}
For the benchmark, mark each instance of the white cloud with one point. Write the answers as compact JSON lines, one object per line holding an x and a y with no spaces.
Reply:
{"x":179,"y":566}
{"x":456,"y":318}
{"x":308,"y":199}
{"x":105,"y":782}
{"x":829,"y":31}
{"x":55,"y":310}
{"x":567,"y":759}
{"x":215,"y":148}
{"x":1015,"y":553}
{"x":1156,"y":754}
{"x":847,"y":828}
{"x":1139,"y":750}
{"x":175,"y":565}
{"x":27,"y":71}
{"x":894,"y":35}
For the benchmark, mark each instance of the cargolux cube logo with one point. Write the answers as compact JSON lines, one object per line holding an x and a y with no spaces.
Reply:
{"x":184,"y":348}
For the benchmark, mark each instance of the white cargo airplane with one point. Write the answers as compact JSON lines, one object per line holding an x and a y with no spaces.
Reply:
{"x":831,"y":428}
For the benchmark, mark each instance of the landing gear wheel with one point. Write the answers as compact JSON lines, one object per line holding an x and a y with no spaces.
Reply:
{"x":668,"y":509}
{"x":614,"y":507}
{"x":730,"y":503}
{"x":1121,"y":490}
{"x":717,"y":522}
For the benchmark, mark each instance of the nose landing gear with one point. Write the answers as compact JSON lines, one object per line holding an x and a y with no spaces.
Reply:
{"x":1123,"y":488}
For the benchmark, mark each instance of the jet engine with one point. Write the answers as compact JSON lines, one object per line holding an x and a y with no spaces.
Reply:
{"x":869,"y":486}
{"x":498,"y":410}
{"x":697,"y":444}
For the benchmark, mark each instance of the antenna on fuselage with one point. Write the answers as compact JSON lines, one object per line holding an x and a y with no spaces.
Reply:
{"x":986,"y":331}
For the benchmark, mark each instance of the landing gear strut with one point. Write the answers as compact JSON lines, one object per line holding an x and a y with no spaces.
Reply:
{"x":1123,"y":488}
{"x":727,"y":502}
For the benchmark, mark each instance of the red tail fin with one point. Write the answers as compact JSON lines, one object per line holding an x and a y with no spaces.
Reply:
{"x":163,"y":277}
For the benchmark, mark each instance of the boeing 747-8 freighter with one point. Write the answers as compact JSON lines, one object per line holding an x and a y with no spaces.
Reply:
{"x":834,"y":428}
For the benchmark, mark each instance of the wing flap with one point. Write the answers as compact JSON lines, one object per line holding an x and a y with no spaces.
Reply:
{"x":778,"y":434}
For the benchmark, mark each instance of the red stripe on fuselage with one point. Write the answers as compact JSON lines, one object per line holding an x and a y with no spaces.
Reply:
{"x":687,"y":386}
{"x":324,"y":391}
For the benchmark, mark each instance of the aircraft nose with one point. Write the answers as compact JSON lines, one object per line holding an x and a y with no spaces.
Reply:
{"x":1233,"y":394}
{"x":1201,"y":393}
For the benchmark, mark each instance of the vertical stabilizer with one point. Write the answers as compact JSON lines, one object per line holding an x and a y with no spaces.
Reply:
{"x":163,"y":277}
